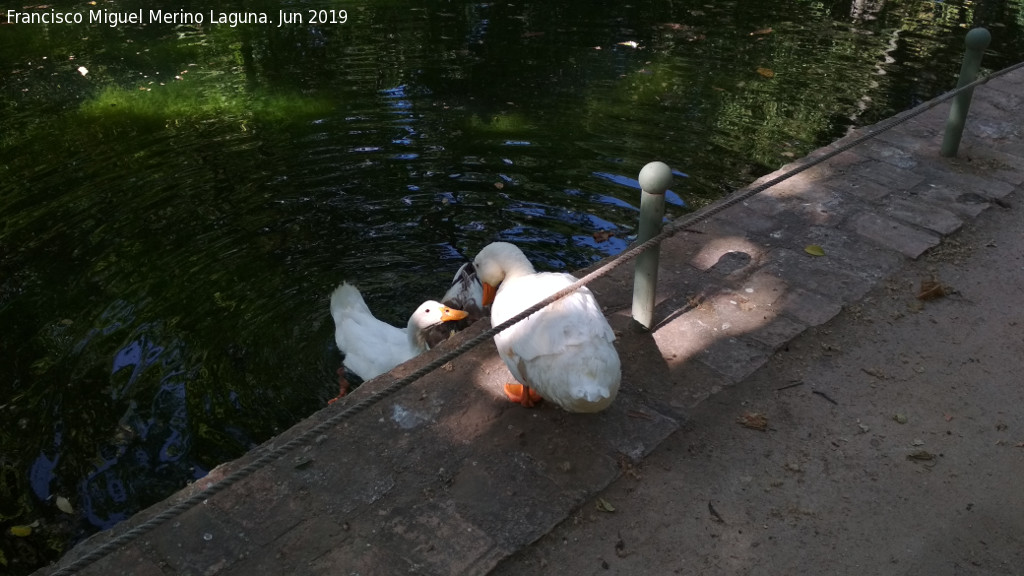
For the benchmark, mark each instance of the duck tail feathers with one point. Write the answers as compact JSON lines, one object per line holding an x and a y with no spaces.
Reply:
{"x":345,"y":300}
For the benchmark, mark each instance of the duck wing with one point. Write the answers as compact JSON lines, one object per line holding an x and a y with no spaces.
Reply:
{"x":565,"y":351}
{"x":571,"y":321}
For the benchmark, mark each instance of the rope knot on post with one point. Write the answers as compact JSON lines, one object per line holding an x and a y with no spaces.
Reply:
{"x":655,"y":178}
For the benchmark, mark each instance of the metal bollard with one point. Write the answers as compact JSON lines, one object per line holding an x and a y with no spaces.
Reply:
{"x":977,"y":40}
{"x":655,"y":178}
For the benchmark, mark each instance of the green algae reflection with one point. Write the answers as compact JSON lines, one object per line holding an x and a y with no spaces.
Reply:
{"x":188,"y":100}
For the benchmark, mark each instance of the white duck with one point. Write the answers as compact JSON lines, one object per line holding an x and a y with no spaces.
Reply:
{"x":564,"y":352}
{"x":373,"y":347}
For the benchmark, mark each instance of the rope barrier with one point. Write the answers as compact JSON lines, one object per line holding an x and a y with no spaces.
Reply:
{"x":271,"y":453}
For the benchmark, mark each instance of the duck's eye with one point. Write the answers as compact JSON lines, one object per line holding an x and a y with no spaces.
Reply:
{"x":427,"y":310}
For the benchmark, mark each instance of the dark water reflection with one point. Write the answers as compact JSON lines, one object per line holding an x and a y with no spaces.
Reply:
{"x":174,"y":219}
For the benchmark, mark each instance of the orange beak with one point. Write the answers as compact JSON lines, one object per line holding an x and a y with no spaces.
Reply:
{"x":489,"y":293}
{"x":451,"y":314}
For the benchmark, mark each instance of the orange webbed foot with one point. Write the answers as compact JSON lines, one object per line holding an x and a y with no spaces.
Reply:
{"x":524,"y":395}
{"x":343,"y":387}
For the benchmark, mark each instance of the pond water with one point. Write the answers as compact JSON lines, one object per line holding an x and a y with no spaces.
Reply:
{"x":178,"y":200}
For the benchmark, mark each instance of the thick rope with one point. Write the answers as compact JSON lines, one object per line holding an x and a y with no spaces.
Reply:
{"x":271,"y":452}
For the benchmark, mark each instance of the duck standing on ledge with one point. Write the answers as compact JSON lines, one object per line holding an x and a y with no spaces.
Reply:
{"x":563,"y":352}
{"x":372,"y":347}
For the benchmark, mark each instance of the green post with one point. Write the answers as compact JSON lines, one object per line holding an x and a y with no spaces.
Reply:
{"x":977,"y":40}
{"x":654,"y":179}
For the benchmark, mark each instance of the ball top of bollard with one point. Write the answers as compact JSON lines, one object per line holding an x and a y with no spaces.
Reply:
{"x":655,"y":178}
{"x":978,"y":38}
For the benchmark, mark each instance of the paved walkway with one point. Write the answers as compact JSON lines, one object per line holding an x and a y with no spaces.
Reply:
{"x":444,"y":477}
{"x":893,"y":443}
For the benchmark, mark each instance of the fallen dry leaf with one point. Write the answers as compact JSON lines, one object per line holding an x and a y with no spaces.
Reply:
{"x":604,"y":505}
{"x":814,"y":250}
{"x":627,"y":467}
{"x":20,"y":531}
{"x":921,"y":455}
{"x":754,"y":421}
{"x":873,"y":372}
{"x":932,"y":289}
{"x":64,"y":505}
{"x":761,"y":32}
{"x":766,"y":72}
{"x":603,"y":235}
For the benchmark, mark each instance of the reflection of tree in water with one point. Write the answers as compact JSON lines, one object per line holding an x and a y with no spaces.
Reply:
{"x":145,"y":383}
{"x":110,"y":469}
{"x":149,"y":442}
{"x":866,"y":9}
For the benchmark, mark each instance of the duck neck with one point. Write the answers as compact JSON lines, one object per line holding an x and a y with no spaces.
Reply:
{"x":518,"y":265}
{"x":417,"y":339}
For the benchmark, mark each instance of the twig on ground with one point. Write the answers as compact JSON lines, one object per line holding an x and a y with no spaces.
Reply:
{"x":714,"y":514}
{"x":794,"y":385}
{"x":825,"y":396}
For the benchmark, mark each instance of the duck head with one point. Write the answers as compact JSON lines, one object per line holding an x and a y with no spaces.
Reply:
{"x":497,"y":261}
{"x":430,"y":313}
